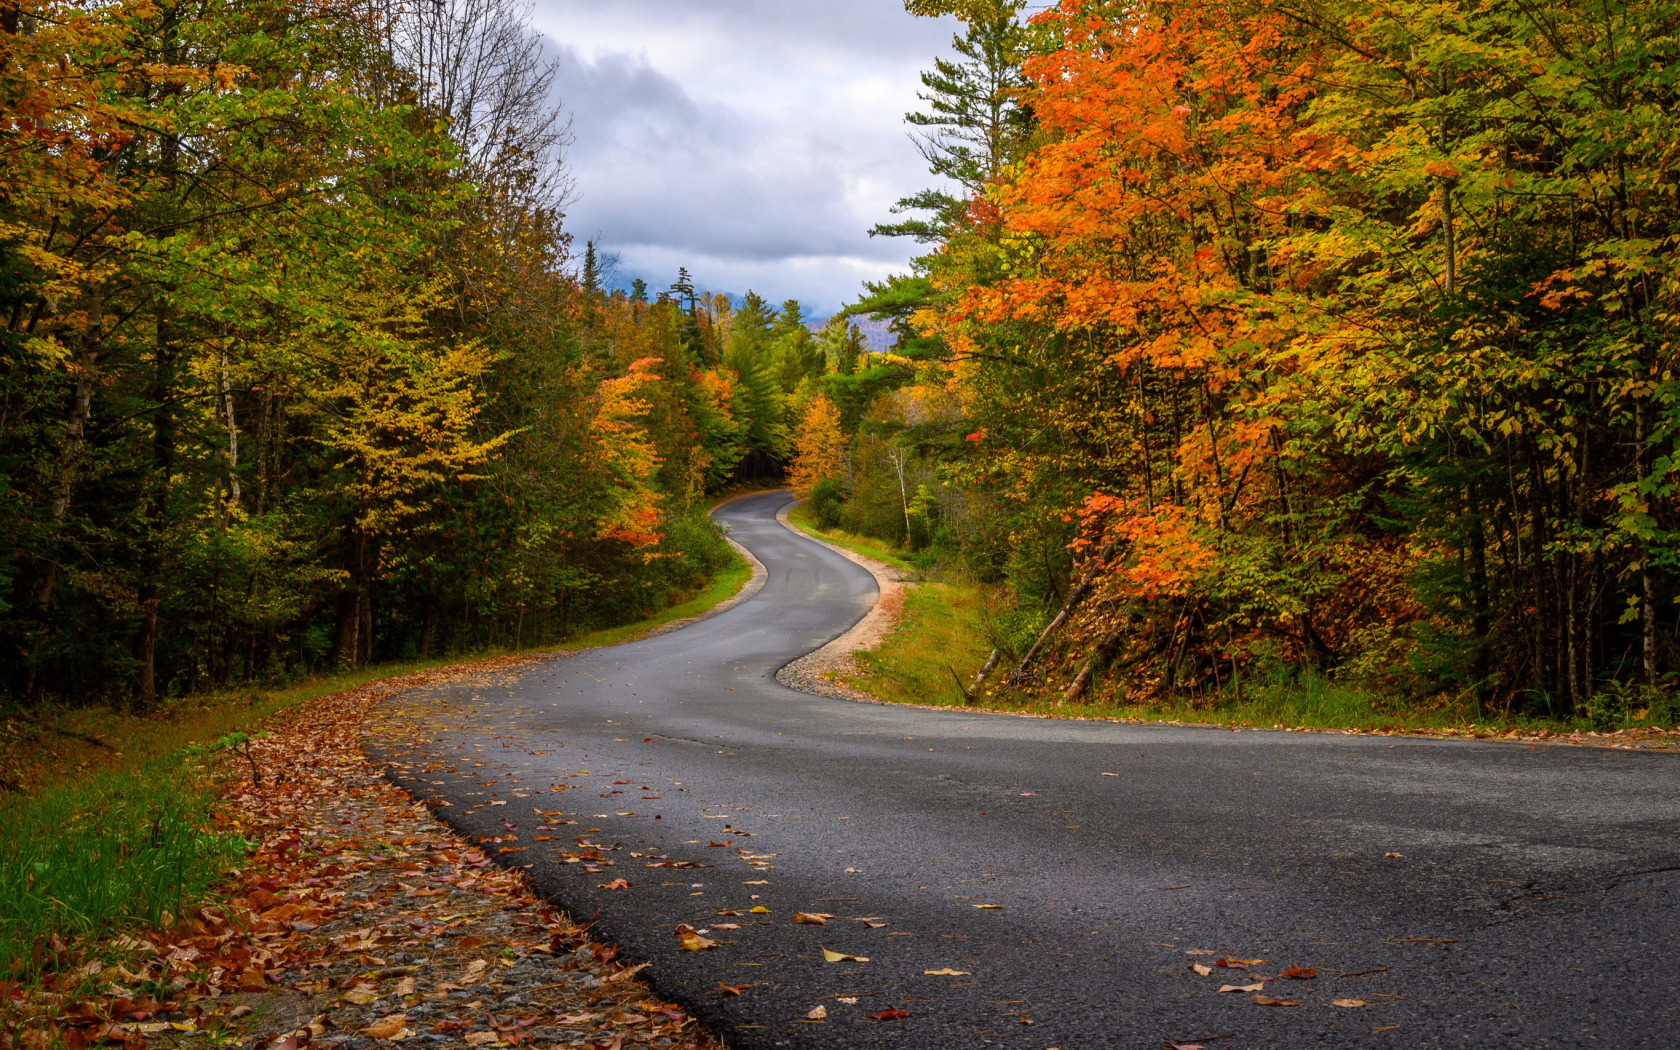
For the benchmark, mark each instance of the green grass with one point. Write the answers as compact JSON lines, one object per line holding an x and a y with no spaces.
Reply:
{"x":868,"y":546}
{"x":939,"y":640}
{"x":118,"y":830}
{"x":125,"y":849}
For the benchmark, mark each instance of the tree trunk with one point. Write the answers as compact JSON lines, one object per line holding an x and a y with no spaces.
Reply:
{"x":1080,"y":592}
{"x":156,"y":512}
{"x":1099,"y":655}
{"x":992,"y":661}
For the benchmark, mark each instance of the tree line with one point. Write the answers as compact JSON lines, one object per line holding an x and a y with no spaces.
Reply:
{"x":1290,"y":336}
{"x":299,"y":368}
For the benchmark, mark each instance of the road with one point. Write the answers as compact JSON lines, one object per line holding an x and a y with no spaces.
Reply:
{"x":1470,"y":894}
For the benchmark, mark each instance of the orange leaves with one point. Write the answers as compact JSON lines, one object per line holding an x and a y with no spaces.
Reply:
{"x":1157,"y":554}
{"x":625,"y":454}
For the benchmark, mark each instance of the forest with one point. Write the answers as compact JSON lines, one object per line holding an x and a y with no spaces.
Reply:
{"x":1279,"y":339}
{"x":1246,"y":342}
{"x":303,"y":371}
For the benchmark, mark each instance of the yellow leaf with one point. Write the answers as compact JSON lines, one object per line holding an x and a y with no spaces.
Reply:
{"x":833,"y":956}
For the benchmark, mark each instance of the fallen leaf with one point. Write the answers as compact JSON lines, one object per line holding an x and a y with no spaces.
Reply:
{"x":476,"y":966}
{"x":1394,"y":855}
{"x":361,"y":995}
{"x":813,"y":918}
{"x":817,"y":1013}
{"x":405,"y":986}
{"x":1111,"y":774}
{"x":889,"y":1015}
{"x":947,"y":972}
{"x":253,"y":980}
{"x":849,"y":1000}
{"x":1200,"y":951}
{"x":387,"y":1027}
{"x":998,"y":907}
{"x":759,"y":909}
{"x":481,"y":1038}
{"x":872,"y":924}
{"x":1266,"y":1000}
{"x":696,"y":943}
{"x":1349,"y":1003}
{"x":1295,"y":973}
{"x":732,"y":989}
{"x":1258,"y":986}
{"x":726,"y":925}
{"x":1202,"y":968}
{"x":833,"y":956}
{"x":616,"y":884}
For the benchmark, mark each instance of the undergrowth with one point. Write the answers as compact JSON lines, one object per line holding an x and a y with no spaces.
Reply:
{"x":117,"y":849}
{"x":949,"y":628}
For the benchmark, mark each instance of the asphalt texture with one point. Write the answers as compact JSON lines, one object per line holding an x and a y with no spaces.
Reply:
{"x":1470,"y":894}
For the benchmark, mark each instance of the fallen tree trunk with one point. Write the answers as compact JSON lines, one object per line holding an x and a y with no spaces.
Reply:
{"x":972,"y":693}
{"x":1079,"y":593}
{"x":1098,"y":656}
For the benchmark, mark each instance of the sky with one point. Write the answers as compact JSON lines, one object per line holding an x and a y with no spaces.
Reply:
{"x":753,"y":141}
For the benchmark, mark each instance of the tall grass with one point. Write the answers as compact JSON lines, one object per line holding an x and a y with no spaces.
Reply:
{"x":115,"y":850}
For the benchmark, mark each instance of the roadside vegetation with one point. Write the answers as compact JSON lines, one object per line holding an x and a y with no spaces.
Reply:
{"x":1283,"y":367}
{"x":951,"y":625}
{"x":112,"y":823}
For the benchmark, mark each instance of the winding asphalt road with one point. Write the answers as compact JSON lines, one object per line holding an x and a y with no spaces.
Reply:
{"x":1470,"y":894}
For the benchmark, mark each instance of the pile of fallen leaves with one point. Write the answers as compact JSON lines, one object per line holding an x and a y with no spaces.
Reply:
{"x":357,"y":921}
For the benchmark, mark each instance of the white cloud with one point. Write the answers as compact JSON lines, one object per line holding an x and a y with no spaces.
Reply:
{"x":753,"y":141}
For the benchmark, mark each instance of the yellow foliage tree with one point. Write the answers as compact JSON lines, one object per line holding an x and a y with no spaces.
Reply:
{"x":820,"y":449}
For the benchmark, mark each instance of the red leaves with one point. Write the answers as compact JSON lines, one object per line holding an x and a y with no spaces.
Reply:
{"x":889,"y":1014}
{"x":1295,"y":973}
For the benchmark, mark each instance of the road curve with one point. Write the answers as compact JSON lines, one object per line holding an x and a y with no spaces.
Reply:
{"x":1469,"y":894}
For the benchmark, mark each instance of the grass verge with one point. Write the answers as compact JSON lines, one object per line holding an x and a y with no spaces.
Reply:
{"x":868,"y":546}
{"x":116,"y":827}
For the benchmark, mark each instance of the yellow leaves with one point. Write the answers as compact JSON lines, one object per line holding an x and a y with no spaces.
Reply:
{"x":819,"y":449}
{"x":834,"y":956}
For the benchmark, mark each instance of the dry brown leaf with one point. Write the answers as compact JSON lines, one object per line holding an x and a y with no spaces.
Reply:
{"x":405,"y":986}
{"x":1266,"y":1000}
{"x":833,"y":956}
{"x":696,"y":943}
{"x":817,"y":1013}
{"x":1202,"y":968}
{"x":1349,"y":1003}
{"x":481,"y":1038}
{"x":947,"y":972}
{"x":1258,"y":986}
{"x":361,"y":995}
{"x":812,"y":917}
{"x":387,"y":1027}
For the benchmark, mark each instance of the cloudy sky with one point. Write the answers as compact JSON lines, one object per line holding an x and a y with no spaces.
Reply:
{"x":753,"y":141}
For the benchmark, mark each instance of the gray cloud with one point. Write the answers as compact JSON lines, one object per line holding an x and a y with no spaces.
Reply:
{"x":753,"y":141}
